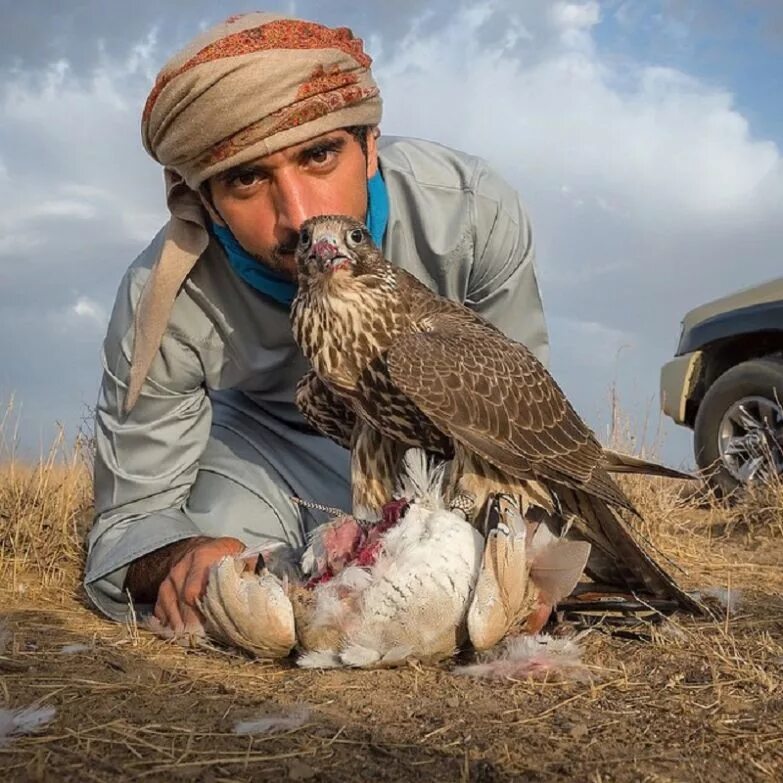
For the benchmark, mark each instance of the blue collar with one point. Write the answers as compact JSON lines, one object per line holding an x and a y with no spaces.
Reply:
{"x":377,"y":208}
{"x":281,"y":289}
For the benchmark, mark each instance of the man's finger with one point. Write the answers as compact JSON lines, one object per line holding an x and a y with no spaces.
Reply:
{"x":169,"y":601}
{"x":195,"y":583}
{"x":160,"y":614}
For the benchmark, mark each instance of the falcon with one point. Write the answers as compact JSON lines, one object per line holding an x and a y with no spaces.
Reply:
{"x":394,"y":365}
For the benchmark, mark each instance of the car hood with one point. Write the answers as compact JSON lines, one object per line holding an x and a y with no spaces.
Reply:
{"x":770,"y":291}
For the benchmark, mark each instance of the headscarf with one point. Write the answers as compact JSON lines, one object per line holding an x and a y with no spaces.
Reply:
{"x":249,"y":87}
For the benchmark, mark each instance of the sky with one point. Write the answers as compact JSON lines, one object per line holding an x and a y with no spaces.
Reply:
{"x":644,"y":138}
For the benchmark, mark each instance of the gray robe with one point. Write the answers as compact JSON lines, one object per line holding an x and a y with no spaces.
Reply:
{"x":215,"y":445}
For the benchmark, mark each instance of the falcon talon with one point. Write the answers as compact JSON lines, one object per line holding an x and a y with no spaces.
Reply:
{"x":503,"y":529}
{"x":260,"y":565}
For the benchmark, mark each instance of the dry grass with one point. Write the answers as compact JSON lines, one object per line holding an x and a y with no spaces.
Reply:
{"x":41,"y":508}
{"x":689,"y":700}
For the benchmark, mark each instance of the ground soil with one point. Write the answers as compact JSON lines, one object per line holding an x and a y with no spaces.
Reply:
{"x":693,"y":700}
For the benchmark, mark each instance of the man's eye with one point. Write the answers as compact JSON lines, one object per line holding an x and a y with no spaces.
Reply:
{"x":245,"y":179}
{"x":321,"y":156}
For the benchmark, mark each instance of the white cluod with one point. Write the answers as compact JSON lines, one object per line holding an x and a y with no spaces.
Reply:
{"x":14,"y":723}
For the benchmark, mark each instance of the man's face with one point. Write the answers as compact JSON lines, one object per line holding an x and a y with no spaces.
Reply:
{"x":265,"y":201}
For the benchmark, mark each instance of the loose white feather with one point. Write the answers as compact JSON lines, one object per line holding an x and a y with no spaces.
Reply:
{"x":530,"y":657}
{"x":14,"y":723}
{"x":730,"y":600}
{"x":71,"y":649}
{"x":359,"y":657}
{"x":285,"y":720}
{"x":319,"y":659}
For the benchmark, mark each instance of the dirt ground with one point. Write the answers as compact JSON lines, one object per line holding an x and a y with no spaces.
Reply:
{"x":691,"y":700}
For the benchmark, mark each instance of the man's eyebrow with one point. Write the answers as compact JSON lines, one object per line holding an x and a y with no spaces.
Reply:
{"x":242,"y":168}
{"x":329,"y":144}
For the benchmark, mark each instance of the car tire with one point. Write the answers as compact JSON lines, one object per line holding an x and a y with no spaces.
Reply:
{"x":755,"y":378}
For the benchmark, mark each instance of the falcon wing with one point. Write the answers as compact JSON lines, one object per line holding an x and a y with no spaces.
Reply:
{"x":495,"y":398}
{"x":324,"y":410}
{"x":617,"y":557}
{"x":617,"y":462}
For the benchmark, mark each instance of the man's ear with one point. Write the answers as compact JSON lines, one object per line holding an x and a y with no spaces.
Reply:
{"x":372,"y":151}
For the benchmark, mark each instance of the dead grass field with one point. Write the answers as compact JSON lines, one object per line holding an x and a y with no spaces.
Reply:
{"x":694,"y":701}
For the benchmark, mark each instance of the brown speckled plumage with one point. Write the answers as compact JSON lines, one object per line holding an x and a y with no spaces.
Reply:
{"x":396,"y":365}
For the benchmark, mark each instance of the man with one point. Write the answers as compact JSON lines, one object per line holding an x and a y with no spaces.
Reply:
{"x":261,"y":123}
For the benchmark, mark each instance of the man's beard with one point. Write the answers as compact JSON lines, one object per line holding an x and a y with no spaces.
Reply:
{"x":281,"y":260}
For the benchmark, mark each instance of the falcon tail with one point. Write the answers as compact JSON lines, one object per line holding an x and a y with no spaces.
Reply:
{"x":617,"y":558}
{"x":617,"y":462}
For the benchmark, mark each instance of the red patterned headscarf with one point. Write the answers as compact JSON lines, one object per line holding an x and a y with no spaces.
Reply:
{"x":249,"y":87}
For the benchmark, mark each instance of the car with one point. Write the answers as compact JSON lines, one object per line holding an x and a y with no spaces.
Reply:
{"x":726,"y":384}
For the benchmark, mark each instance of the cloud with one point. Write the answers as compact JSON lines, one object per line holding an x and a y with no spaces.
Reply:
{"x":648,"y":136}
{"x":576,"y":16}
{"x":648,"y":190}
{"x":80,"y":201}
{"x":88,"y":310}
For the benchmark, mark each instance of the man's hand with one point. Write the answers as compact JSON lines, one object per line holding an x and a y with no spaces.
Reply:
{"x":176,"y":576}
{"x":177,"y":603}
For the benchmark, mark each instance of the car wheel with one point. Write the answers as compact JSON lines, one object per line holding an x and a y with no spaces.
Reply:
{"x":738,"y":433}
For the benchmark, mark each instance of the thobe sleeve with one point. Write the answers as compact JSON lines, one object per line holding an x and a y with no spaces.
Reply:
{"x":503,"y":286}
{"x":146,"y":461}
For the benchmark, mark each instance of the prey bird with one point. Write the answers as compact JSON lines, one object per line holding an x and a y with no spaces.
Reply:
{"x":420,"y":584}
{"x":394,"y":365}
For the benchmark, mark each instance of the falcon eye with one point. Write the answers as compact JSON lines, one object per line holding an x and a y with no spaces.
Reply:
{"x":355,"y":237}
{"x":304,"y":238}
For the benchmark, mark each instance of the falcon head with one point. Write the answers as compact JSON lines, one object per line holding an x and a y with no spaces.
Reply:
{"x":331,"y":245}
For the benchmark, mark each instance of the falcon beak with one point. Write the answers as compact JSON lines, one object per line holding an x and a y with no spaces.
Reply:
{"x":326,"y":251}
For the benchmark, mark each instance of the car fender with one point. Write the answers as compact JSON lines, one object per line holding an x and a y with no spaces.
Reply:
{"x":678,"y":381}
{"x":764,"y":317}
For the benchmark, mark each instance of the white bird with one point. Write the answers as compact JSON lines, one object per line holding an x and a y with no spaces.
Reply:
{"x":420,"y":584}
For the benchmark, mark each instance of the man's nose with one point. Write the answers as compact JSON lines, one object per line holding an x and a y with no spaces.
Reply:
{"x":294,"y":202}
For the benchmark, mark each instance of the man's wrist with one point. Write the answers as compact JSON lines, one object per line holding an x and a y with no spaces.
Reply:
{"x":146,"y":574}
